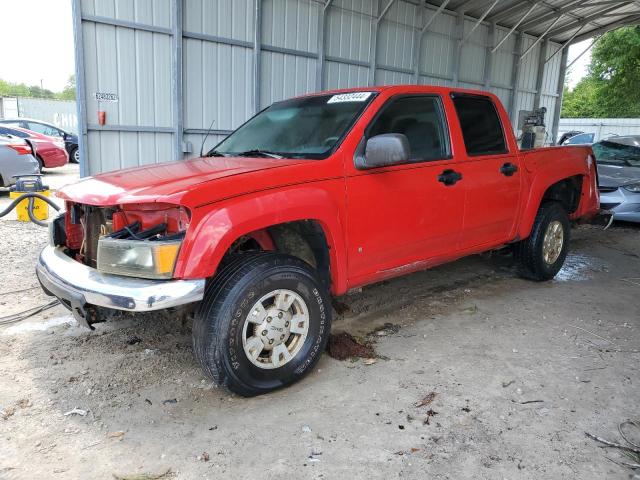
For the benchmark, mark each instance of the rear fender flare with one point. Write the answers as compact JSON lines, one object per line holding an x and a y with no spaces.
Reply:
{"x":540,"y":183}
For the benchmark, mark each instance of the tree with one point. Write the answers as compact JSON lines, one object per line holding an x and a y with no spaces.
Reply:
{"x":69,"y":91}
{"x":10,"y":89}
{"x":611,"y":86}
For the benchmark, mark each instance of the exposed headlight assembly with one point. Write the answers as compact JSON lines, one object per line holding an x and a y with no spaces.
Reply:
{"x":138,"y":258}
{"x":632,"y":187}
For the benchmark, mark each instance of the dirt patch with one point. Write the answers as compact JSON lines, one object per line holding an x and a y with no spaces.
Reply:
{"x":343,"y":346}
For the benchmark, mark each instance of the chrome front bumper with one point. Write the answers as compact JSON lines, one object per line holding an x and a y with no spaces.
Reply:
{"x":77,"y":285}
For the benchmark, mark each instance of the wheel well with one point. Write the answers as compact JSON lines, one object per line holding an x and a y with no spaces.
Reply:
{"x":304,"y":239}
{"x":567,"y":192}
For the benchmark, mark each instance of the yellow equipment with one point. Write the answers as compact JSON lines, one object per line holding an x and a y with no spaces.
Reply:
{"x":30,"y":185}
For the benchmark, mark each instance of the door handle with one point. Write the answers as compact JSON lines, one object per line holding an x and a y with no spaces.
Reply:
{"x":508,"y":169}
{"x":449,"y":177}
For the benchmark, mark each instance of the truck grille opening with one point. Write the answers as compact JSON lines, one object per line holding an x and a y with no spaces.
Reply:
{"x":86,"y":224}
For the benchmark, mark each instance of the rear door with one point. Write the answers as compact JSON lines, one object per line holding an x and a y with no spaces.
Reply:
{"x":403,"y":214}
{"x":491,"y":170}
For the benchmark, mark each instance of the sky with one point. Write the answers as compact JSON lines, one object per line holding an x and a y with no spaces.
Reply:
{"x":37,"y":36}
{"x":44,"y":51}
{"x":578,"y":69}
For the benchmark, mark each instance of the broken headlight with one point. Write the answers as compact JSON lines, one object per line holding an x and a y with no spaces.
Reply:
{"x":138,"y":258}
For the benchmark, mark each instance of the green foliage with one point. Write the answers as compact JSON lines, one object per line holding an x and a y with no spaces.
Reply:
{"x":612,"y":86}
{"x":9,"y":89}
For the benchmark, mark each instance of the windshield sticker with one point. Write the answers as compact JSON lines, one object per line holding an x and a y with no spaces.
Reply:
{"x":350,"y":97}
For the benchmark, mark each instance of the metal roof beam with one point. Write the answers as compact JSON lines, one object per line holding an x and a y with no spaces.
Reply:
{"x":632,"y":20}
{"x":587,"y":19}
{"x":434,"y":16}
{"x":480,"y":20}
{"x":510,"y":11}
{"x":566,"y":44}
{"x":541,"y":36}
{"x":545,"y":17}
{"x":513,"y":28}
{"x":470,"y":5}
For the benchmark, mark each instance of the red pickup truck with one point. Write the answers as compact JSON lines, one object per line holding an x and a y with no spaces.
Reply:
{"x":312,"y":197}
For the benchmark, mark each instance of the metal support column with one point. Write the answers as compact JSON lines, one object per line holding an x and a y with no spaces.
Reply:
{"x":257,"y":56}
{"x":458,"y":50}
{"x":81,"y":94}
{"x":488,"y":56}
{"x":176,"y":79}
{"x":555,"y":123}
{"x":373,"y":51}
{"x":515,"y":80}
{"x":322,"y":33}
{"x":542,"y":56}
{"x":416,"y":52}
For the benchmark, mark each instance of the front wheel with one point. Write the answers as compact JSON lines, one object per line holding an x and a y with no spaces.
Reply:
{"x":74,"y":156}
{"x":263,"y":324}
{"x":542,"y":254}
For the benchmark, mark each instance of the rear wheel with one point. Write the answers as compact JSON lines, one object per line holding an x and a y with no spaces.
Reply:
{"x":542,"y":254}
{"x":263,"y":323}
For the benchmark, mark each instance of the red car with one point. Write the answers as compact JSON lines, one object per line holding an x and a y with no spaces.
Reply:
{"x":312,"y":197}
{"x":50,"y":151}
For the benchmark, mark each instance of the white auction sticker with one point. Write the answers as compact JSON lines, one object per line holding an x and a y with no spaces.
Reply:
{"x":350,"y":97}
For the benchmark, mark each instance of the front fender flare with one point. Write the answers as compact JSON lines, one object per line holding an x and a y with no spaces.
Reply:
{"x":218,"y":225}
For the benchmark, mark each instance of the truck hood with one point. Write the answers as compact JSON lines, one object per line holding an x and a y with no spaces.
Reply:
{"x":615,"y":176}
{"x":166,"y":182}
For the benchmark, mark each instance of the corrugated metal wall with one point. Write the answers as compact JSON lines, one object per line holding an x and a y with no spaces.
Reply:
{"x":176,"y":66}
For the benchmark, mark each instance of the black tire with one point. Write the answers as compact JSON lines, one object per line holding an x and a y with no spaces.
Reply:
{"x":72,"y":155}
{"x":228,"y":300}
{"x":529,"y":252}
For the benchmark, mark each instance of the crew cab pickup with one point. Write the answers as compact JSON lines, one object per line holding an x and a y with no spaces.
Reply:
{"x":312,"y":197}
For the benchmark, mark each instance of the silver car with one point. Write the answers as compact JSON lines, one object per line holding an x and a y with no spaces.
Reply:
{"x":618,"y":161}
{"x":15,"y":159}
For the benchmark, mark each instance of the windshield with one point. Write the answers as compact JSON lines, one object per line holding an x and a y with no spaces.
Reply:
{"x":308,"y":127}
{"x":612,"y":153}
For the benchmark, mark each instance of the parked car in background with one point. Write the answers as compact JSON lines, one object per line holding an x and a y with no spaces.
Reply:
{"x":15,"y":159}
{"x":70,"y":139}
{"x":50,"y":151}
{"x":618,"y":160}
{"x":567,"y":135}
{"x":579,"y":139}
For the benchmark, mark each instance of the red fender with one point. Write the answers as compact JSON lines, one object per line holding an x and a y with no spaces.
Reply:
{"x":218,"y":225}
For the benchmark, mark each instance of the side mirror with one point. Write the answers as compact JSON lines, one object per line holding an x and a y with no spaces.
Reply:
{"x":384,"y":150}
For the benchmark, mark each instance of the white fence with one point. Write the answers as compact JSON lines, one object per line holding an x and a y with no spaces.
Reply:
{"x":602,"y":127}
{"x":61,"y":113}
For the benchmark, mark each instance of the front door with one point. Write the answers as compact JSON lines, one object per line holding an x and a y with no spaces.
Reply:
{"x":401,"y":215}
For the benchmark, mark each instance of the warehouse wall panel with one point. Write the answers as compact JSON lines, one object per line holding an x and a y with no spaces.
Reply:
{"x":217,"y":85}
{"x":130,"y":50}
{"x":349,"y":29}
{"x":222,"y":18}
{"x":285,"y":76}
{"x":342,"y":75}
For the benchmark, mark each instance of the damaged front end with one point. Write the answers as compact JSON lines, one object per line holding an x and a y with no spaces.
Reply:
{"x":117,"y":257}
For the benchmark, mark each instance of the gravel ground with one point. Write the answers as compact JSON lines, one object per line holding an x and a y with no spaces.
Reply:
{"x":520,"y":372}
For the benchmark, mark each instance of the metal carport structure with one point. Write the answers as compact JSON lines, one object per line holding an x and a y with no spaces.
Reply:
{"x":164,"y":70}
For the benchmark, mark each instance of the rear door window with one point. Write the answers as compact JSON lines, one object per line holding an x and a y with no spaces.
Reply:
{"x":421,"y":120}
{"x":481,"y":127}
{"x":44,"y":129}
